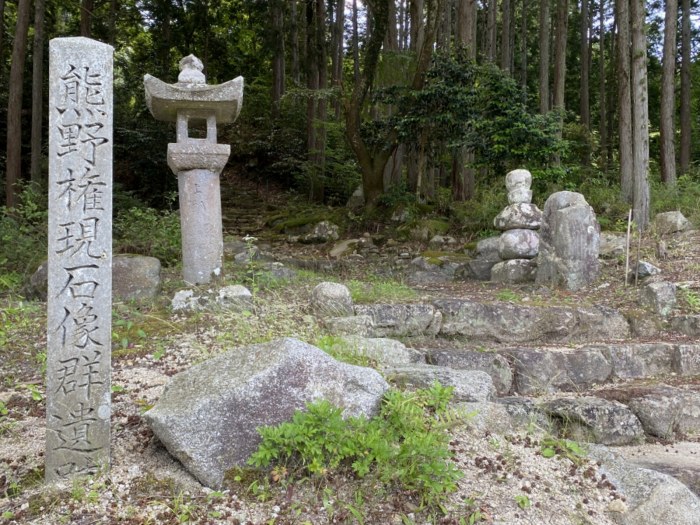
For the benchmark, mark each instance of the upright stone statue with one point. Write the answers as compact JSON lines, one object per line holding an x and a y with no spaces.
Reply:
{"x":569,"y":242}
{"x":79,"y":300}
{"x":197,"y":162}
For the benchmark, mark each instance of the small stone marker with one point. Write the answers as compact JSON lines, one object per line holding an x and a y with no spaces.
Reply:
{"x":197,"y":162}
{"x":79,"y":322}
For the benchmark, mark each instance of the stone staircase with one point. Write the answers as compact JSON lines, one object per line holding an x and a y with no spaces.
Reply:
{"x":575,"y":371}
{"x":244,"y":204}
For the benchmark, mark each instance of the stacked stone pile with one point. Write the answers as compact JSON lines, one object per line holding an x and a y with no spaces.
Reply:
{"x":519,"y":243}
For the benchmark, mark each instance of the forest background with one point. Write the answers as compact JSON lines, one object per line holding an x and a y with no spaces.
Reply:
{"x":424,"y":103}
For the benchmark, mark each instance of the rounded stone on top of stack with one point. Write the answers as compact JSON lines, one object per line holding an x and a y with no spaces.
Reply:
{"x":518,"y":184}
{"x":521,"y":215}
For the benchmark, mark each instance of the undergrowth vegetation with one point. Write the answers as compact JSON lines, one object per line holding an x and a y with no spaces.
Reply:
{"x":404,"y":447}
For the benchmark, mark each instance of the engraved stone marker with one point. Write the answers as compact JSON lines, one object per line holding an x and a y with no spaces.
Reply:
{"x":79,"y":299}
{"x":197,"y":162}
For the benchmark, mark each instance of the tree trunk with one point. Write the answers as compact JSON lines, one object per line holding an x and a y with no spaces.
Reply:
{"x":544,"y":56}
{"x":86,"y":8}
{"x":625,"y":100}
{"x":392,"y":35}
{"x":686,"y":129}
{"x":506,"y":50}
{"x":277,"y":30}
{"x":112,"y":23}
{"x":560,"y":66}
{"x":337,"y":58}
{"x":14,"y":104}
{"x":523,"y":44}
{"x":668,"y":95}
{"x":294,"y":41}
{"x":585,"y":74}
{"x":640,"y":114}
{"x":37,"y":91}
{"x":602,"y":95}
{"x":417,"y":24}
{"x":445,"y":29}
{"x":355,"y":43}
{"x":2,"y":35}
{"x":492,"y":30}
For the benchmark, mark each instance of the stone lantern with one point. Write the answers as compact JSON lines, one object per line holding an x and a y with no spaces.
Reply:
{"x":197,"y":161}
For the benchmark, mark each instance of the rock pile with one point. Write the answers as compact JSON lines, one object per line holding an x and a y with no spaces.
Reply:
{"x":519,"y":243}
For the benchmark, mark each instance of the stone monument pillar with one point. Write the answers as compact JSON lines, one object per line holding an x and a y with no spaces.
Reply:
{"x":79,"y":300}
{"x":197,"y":162}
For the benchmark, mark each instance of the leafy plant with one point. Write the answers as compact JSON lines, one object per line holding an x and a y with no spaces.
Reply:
{"x":571,"y":450}
{"x":342,"y":350}
{"x":147,"y":231}
{"x":692,"y":298}
{"x":523,"y":501}
{"x":404,"y":445}
{"x":507,"y":295}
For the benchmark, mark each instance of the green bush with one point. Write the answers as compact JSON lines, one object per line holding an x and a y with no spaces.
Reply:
{"x":23,"y":238}
{"x":147,"y":231}
{"x":405,"y":444}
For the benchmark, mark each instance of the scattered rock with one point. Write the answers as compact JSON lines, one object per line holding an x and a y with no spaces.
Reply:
{"x":478,"y":269}
{"x":343,"y":248}
{"x":489,"y":247}
{"x":596,"y":420}
{"x":569,"y":242}
{"x":208,"y":415}
{"x":324,"y":231}
{"x":660,"y":297}
{"x":235,"y":297}
{"x":612,"y":245}
{"x":331,"y":300}
{"x":187,"y":301}
{"x":671,"y":222}
{"x":357,"y":200}
{"x":644,"y":269}
{"x":134,"y":277}
{"x":360,"y":325}
{"x":469,"y":385}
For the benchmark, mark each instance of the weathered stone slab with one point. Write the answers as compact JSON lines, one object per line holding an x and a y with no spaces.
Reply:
{"x":469,"y":385}
{"x":386,"y":352}
{"x":493,"y":363}
{"x":569,"y":242}
{"x":208,"y":415}
{"x":596,"y":420}
{"x":641,"y":360}
{"x":79,"y":310}
{"x":667,"y":412}
{"x":687,"y":324}
{"x":397,"y":320}
{"x":686,"y":360}
{"x":516,"y":323}
{"x":671,"y":222}
{"x":659,"y":297}
{"x":547,"y":370}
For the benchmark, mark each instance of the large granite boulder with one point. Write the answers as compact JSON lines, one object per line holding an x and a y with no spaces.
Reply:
{"x":134,"y":277}
{"x":650,"y":496}
{"x":208,"y":415}
{"x":569,"y":242}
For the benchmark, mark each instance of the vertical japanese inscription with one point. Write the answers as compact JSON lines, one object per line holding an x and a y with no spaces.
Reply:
{"x":80,"y":257}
